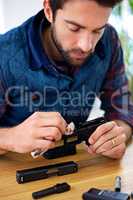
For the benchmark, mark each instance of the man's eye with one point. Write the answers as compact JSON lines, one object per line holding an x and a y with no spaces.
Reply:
{"x":73,"y":28}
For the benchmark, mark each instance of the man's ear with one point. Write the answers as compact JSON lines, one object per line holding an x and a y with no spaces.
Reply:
{"x":48,"y":11}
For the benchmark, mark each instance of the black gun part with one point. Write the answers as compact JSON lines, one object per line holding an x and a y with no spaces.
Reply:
{"x":85,"y":130}
{"x":56,"y":189}
{"x":81,"y":133}
{"x":97,"y":194}
{"x":117,"y":184}
{"x":64,"y":168}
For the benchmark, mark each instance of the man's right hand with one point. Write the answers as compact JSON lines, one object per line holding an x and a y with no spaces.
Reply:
{"x":40,"y":131}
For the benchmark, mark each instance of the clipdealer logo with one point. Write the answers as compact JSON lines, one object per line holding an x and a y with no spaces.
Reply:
{"x":121,"y":100}
{"x":50,"y":97}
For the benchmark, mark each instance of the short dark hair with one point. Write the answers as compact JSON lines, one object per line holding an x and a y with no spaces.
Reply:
{"x":57,"y":4}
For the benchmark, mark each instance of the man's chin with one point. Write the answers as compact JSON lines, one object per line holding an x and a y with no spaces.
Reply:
{"x":77,"y":63}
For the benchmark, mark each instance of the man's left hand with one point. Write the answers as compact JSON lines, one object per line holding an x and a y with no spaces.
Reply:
{"x":110,"y":139}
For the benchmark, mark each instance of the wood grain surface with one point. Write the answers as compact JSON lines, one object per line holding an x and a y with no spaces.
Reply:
{"x":100,"y":172}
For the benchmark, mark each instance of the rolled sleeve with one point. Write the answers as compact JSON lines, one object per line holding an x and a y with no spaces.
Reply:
{"x":115,"y":94}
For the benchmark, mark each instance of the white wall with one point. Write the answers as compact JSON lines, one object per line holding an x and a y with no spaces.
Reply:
{"x":15,"y":12}
{"x":1,"y":17}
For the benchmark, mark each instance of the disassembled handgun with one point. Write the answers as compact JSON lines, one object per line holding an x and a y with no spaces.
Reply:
{"x":80,"y":134}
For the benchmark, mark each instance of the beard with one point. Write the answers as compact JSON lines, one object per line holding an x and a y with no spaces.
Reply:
{"x":66,"y":55}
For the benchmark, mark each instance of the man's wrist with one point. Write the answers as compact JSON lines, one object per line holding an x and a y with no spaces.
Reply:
{"x":5,"y":139}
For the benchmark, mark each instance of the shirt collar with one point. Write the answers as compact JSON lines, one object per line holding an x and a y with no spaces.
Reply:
{"x":38,"y":56}
{"x":100,"y":49}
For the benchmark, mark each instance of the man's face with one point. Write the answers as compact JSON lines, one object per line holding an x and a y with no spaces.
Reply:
{"x":77,"y":28}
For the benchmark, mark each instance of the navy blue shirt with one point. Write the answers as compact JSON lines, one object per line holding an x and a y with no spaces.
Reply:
{"x":30,"y":81}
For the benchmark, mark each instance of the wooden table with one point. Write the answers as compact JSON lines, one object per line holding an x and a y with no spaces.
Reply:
{"x":99,"y":173}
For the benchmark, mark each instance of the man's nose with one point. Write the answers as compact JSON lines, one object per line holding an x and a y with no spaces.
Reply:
{"x":85,"y":43}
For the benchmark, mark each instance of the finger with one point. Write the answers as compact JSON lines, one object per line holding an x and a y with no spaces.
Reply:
{"x":116,"y":131}
{"x":2,"y":152}
{"x":117,"y":152}
{"x":44,"y":145}
{"x":50,"y":120}
{"x":49,"y":133}
{"x":90,"y":150}
{"x":55,"y":122}
{"x":109,"y":144}
{"x":101,"y":130}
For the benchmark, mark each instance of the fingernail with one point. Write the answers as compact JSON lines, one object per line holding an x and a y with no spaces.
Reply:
{"x":112,"y":123}
{"x":91,"y":141}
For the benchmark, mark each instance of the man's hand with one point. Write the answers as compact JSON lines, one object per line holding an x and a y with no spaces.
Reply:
{"x":38,"y":132}
{"x":2,"y":152}
{"x":110,"y":139}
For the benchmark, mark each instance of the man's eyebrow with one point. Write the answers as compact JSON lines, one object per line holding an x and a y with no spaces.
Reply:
{"x":74,"y":23}
{"x":81,"y":26}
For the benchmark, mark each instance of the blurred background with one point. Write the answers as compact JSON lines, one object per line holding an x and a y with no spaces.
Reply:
{"x":15,"y":12}
{"x":122,"y":20}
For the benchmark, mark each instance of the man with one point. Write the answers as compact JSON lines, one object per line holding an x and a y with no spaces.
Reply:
{"x":51,"y":69}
